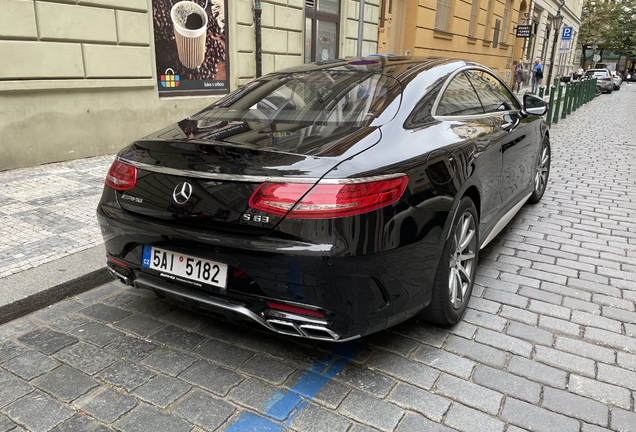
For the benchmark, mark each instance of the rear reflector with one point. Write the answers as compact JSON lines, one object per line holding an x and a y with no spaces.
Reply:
{"x":323,"y":200}
{"x":294,"y":309}
{"x":116,"y":261}
{"x":121,"y":176}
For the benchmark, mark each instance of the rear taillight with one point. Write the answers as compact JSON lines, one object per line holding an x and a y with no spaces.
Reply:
{"x":121,"y":176}
{"x":326,"y":200}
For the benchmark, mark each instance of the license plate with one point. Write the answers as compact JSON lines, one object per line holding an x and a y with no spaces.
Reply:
{"x":184,"y":268}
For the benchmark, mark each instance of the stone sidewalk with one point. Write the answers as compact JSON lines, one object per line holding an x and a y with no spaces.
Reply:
{"x":548,"y":342}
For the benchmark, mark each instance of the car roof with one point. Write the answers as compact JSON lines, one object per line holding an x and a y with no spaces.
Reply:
{"x":397,"y":67}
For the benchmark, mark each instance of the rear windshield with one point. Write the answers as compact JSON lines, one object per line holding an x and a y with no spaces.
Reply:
{"x":597,"y":73}
{"x":326,"y":97}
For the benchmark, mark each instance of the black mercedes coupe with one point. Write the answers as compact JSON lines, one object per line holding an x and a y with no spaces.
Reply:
{"x":331,"y":200}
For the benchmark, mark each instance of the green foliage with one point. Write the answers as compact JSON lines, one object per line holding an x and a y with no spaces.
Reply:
{"x":609,"y":25}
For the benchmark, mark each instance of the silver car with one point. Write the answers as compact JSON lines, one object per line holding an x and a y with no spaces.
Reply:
{"x":604,"y":80}
{"x":618,"y":80}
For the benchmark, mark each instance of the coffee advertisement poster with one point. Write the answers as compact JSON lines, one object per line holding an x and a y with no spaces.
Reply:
{"x":191,"y":46}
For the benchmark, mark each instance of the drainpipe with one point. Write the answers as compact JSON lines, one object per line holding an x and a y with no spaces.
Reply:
{"x":360,"y":27}
{"x":257,"y":27}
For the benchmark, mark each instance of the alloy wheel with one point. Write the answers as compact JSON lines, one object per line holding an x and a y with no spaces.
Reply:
{"x":543,"y":168}
{"x":462,"y":260}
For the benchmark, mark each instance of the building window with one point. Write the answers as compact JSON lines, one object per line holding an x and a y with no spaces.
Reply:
{"x":443,"y":15}
{"x":487,"y":24}
{"x":322,"y":26}
{"x":473,"y":18}
{"x":506,"y":20}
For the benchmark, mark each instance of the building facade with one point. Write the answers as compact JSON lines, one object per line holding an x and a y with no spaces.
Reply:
{"x":82,"y":78}
{"x":85,"y":77}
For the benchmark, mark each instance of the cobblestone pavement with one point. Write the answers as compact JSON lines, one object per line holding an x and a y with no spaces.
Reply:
{"x":48,"y":212}
{"x":547,"y":344}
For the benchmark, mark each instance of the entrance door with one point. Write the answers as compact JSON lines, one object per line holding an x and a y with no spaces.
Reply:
{"x":391,"y":27}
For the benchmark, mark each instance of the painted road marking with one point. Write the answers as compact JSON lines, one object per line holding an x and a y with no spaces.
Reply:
{"x":284,"y":406}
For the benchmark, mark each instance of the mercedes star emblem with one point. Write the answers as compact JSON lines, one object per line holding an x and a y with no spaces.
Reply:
{"x":182,"y":193}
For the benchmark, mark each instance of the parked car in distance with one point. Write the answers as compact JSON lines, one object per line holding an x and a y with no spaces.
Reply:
{"x":604,"y":79}
{"x":330,"y":200}
{"x":618,"y":80}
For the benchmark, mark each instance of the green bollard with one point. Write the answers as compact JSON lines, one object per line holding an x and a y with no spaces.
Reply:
{"x":584,"y":92}
{"x":571,"y":100}
{"x":575,"y":95}
{"x":555,"y":120}
{"x":550,"y":106}
{"x":541,"y":90}
{"x":566,"y":101}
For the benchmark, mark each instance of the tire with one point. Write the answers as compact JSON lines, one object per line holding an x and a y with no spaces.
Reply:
{"x":598,"y":91}
{"x":455,"y":277}
{"x":541,"y":172}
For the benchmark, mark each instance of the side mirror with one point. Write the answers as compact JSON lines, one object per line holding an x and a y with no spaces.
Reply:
{"x":534,"y":105}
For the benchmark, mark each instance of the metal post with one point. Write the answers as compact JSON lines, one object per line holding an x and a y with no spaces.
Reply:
{"x":566,"y":101}
{"x":555,"y":120}
{"x":360,"y":27}
{"x":557,"y":21}
{"x":257,"y":27}
{"x":570,"y":99}
{"x":550,"y":106}
{"x":575,"y":103}
{"x":541,"y":90}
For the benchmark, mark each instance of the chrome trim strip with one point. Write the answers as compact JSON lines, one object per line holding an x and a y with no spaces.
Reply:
{"x":331,"y":333}
{"x":142,"y":283}
{"x":501,"y":224}
{"x":252,"y":178}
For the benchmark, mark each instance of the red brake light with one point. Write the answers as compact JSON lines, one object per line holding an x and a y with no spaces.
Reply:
{"x":121,"y":176}
{"x":294,"y":309}
{"x":326,"y":200}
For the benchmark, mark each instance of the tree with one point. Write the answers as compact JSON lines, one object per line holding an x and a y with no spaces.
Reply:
{"x":622,"y":37}
{"x":597,"y":25}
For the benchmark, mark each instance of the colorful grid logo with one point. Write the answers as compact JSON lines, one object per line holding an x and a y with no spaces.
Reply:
{"x":170,"y":81}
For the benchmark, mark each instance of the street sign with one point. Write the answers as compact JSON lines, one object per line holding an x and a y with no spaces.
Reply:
{"x":565,"y":45}
{"x":566,"y":33}
{"x":523,"y":31}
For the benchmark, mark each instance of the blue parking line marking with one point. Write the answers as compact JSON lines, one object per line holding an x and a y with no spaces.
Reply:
{"x":253,"y":423}
{"x":285,"y":406}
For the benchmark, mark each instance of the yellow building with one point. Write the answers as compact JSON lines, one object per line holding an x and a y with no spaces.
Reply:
{"x":481,"y":30}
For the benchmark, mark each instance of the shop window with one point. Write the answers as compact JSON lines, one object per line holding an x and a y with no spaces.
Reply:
{"x":322,"y":27}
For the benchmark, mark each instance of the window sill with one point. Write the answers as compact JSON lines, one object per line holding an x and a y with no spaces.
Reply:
{"x":442,"y":34}
{"x":471,"y":40}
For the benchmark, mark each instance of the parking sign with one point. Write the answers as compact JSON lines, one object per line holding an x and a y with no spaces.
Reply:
{"x":566,"y":34}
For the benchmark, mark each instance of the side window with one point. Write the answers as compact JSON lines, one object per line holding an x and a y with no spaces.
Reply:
{"x":459,"y":99}
{"x":493,"y":95}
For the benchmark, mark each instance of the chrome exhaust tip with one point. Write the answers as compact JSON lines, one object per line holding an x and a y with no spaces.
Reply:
{"x":123,"y":279}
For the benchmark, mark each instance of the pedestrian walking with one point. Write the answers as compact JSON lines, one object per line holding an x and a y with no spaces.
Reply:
{"x":537,"y":75}
{"x":519,"y":76}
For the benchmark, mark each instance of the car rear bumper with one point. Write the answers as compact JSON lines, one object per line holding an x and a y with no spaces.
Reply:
{"x":356,"y":295}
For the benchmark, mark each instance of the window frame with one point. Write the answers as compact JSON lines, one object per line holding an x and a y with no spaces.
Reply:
{"x":485,"y":114}
{"x":315,"y":15}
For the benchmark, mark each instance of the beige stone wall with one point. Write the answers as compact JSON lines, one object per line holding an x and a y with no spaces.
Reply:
{"x":77,"y":77}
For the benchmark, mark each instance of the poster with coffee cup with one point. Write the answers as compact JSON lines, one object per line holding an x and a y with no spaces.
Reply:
{"x":191,"y":46}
